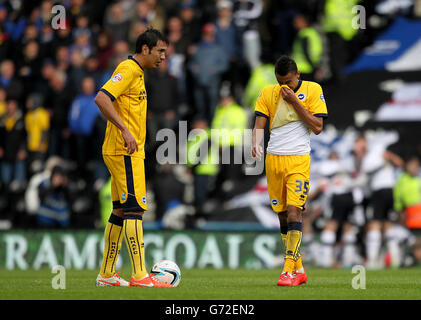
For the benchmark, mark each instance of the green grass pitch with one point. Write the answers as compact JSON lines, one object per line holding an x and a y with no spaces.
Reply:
{"x":210,"y":284}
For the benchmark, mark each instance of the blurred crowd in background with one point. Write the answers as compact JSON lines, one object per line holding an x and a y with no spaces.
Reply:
{"x":220,"y":55}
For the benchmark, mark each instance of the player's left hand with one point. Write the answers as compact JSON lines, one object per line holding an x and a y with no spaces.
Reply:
{"x":288,"y":95}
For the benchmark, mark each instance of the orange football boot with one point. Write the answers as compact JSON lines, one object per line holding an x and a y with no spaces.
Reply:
{"x":148,"y":281}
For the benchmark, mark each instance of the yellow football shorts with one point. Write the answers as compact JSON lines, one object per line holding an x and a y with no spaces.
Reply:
{"x":288,"y":180}
{"x":128,"y":190}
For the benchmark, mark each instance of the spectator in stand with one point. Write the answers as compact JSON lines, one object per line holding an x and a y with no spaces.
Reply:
{"x":32,"y":200}
{"x":82,"y":26}
{"x":63,"y":58}
{"x":77,"y":70}
{"x":163,"y":103}
{"x":31,"y":34}
{"x":29,"y":68}
{"x":136,"y":29}
{"x":37,"y":125}
{"x":13,"y":146}
{"x":58,"y":102}
{"x":91,"y":70}
{"x":121,"y":49}
{"x":54,"y":208}
{"x":63,"y":37}
{"x":94,"y":10}
{"x":82,"y":117}
{"x":177,"y":53}
{"x":3,"y":97}
{"x":163,"y":100}
{"x":47,"y":71}
{"x":105,"y":50}
{"x":175,"y":34}
{"x":13,"y":22}
{"x":191,"y":23}
{"x":228,"y":37}
{"x":246,"y":15}
{"x":117,"y":23}
{"x":207,"y":65}
{"x":46,"y":41}
{"x":157,"y":14}
{"x":149,"y":13}
{"x":9,"y":82}
{"x":5,"y":44}
{"x":82,"y":43}
{"x":45,"y":12}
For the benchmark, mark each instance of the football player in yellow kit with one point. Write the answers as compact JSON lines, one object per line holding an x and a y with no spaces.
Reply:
{"x":294,"y":108}
{"x":123,"y":101}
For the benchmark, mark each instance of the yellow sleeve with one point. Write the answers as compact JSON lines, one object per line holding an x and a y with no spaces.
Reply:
{"x":262,"y":108}
{"x":317,"y":103}
{"x":119,"y":82}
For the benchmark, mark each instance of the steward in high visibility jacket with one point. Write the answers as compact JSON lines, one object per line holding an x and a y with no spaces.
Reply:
{"x":231,"y":119}
{"x":338,"y":18}
{"x":307,"y":48}
{"x":203,"y":161}
{"x":260,"y":77}
{"x":407,"y":194}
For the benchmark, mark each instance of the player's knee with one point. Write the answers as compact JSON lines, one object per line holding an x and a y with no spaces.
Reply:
{"x":140,"y":213}
{"x":294,"y":214}
{"x":118,"y":212}
{"x":283,"y":219}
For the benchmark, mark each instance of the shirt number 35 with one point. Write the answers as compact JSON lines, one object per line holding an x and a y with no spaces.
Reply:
{"x":302,"y":187}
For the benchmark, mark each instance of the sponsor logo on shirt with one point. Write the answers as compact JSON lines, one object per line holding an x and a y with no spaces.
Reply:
{"x":117,"y":77}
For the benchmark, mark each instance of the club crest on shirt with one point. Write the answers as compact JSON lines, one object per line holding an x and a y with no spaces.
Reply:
{"x":117,"y":77}
{"x":275,"y":202}
{"x":301,"y":96}
{"x":123,"y":197}
{"x":144,"y":200}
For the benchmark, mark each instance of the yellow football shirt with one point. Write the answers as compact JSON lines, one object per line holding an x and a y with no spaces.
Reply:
{"x":271,"y":105}
{"x":37,"y":123}
{"x":126,"y":88}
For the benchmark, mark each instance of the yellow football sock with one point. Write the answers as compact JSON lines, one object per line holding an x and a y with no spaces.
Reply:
{"x":299,"y":262}
{"x":293,"y":242}
{"x":112,"y":245}
{"x":133,"y":233}
{"x":289,"y":265}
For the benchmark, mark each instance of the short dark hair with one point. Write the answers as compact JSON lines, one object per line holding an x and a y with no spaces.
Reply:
{"x":150,"y":37}
{"x":285,"y":65}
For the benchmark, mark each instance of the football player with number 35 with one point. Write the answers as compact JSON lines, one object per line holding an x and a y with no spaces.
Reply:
{"x":295,"y":108}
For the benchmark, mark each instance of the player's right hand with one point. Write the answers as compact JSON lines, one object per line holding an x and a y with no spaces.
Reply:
{"x":129,"y":141}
